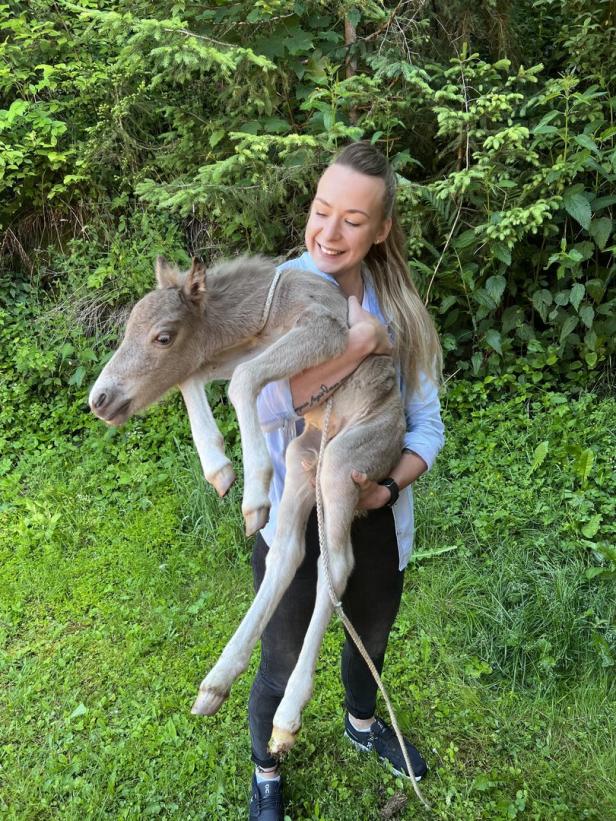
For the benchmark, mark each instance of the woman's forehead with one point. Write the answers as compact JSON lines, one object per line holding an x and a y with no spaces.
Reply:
{"x":343,"y":188}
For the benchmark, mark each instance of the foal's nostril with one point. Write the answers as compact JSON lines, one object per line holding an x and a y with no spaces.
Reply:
{"x":100,"y":401}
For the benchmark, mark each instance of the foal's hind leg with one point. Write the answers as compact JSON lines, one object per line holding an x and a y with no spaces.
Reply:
{"x":340,"y":496}
{"x":284,"y":557}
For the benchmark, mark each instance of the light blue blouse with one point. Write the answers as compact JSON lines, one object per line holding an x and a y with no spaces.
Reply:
{"x":424,"y":432}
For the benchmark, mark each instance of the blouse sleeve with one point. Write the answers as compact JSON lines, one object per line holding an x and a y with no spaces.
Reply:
{"x":425,"y":432}
{"x":275,"y":405}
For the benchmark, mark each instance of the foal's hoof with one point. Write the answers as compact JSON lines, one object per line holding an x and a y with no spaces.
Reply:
{"x":208,"y":702}
{"x":255,"y":520}
{"x":281,"y":741}
{"x":223,"y":480}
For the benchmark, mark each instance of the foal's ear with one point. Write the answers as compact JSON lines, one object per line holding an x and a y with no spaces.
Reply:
{"x":167,"y":275}
{"x":194,"y":284}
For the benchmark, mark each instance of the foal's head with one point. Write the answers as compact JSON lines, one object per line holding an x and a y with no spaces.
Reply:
{"x":161,"y":347}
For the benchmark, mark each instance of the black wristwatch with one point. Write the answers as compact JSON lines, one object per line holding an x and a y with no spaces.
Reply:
{"x":393,"y":488}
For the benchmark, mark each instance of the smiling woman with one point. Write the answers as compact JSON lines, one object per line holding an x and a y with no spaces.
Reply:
{"x":339,"y":234}
{"x":354,"y":240}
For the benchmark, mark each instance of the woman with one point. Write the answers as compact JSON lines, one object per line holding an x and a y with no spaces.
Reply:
{"x":353,"y":239}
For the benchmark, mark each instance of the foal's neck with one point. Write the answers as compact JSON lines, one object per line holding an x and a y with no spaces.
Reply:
{"x":234,"y":311}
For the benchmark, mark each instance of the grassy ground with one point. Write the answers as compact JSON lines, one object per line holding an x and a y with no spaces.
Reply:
{"x":122,"y":577}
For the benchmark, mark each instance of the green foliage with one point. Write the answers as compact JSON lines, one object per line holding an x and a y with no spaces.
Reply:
{"x":219,"y":118}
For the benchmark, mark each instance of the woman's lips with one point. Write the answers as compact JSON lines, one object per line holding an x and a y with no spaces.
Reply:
{"x":329,"y":253}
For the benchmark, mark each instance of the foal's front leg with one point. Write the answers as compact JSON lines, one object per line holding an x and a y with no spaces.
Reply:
{"x":316,"y":339}
{"x":208,"y":440}
{"x":284,"y":557}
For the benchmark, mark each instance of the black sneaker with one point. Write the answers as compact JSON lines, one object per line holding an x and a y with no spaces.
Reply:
{"x":266,"y":800}
{"x":382,"y":739}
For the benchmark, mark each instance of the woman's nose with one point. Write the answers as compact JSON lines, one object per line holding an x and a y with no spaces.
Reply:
{"x":331,"y":230}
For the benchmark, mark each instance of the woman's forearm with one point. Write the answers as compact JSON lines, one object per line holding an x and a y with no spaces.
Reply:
{"x":314,"y":385}
{"x":366,"y":336}
{"x":409,"y":468}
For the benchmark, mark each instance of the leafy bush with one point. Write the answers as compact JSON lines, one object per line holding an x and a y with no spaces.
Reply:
{"x":221,"y":118}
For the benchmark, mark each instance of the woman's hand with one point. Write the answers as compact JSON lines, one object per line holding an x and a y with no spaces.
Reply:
{"x":367,"y":331}
{"x":371,"y":495}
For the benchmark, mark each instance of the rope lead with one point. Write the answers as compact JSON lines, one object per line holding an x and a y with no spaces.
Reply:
{"x":344,"y":618}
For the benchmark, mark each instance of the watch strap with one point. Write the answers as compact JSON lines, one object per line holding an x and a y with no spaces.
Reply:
{"x":393,"y":488}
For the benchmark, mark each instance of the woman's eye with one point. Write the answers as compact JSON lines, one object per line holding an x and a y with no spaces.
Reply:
{"x":354,"y":224}
{"x":163,"y":339}
{"x":319,"y":214}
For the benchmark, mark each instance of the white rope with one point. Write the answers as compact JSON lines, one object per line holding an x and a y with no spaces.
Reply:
{"x":268,"y":302}
{"x":344,"y":618}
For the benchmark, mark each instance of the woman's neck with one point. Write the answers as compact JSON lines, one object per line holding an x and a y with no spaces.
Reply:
{"x":351,"y":284}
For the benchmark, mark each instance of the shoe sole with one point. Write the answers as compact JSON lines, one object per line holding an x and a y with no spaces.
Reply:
{"x":386,"y":761}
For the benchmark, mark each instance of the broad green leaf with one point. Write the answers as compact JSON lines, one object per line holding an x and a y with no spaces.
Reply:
{"x":583,"y":465}
{"x":603,"y":202}
{"x":78,"y":376}
{"x":587,"y":142}
{"x":275,"y":125}
{"x":577,"y":295}
{"x":609,"y":132}
{"x":354,"y":16}
{"x":587,"y":314}
{"x":465,"y":239}
{"x":540,"y":452}
{"x":512,"y":317}
{"x":568,"y":327}
{"x":591,"y":528}
{"x":542,"y":299}
{"x":600,"y":230}
{"x":596,"y":289}
{"x":502,"y":253}
{"x":578,"y":207}
{"x":420,"y":555}
{"x":591,"y":358}
{"x":216,"y":137}
{"x":562,"y":297}
{"x":495,"y":287}
{"x":80,"y":710}
{"x":299,"y":42}
{"x":545,"y":129}
{"x":447,"y":302}
{"x":493,"y":338}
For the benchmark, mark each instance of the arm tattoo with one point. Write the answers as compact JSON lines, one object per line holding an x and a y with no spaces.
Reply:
{"x":318,"y":397}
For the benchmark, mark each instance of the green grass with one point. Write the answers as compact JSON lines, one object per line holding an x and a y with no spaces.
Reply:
{"x":122,"y":577}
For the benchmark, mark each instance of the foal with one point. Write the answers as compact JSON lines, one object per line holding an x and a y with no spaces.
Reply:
{"x":242,"y":321}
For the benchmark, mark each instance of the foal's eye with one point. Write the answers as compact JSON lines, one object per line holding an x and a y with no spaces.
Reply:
{"x":163,"y":339}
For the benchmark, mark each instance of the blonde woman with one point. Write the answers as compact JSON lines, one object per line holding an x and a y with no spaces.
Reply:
{"x":352,"y":238}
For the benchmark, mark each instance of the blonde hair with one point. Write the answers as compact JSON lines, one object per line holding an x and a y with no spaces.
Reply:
{"x":416,"y":343}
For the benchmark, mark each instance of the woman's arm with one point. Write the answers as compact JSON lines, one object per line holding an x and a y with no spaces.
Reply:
{"x":423,"y":439}
{"x":366,"y":336}
{"x":372,"y":495}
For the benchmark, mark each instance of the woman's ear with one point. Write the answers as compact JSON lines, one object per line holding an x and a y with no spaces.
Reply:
{"x":384,"y":231}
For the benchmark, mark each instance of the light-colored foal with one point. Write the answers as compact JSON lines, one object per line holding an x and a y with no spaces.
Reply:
{"x":200,"y":326}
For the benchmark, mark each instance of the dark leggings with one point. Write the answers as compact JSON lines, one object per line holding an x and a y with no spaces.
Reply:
{"x":371,"y":601}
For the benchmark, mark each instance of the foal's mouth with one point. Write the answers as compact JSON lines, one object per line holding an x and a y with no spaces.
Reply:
{"x":114,"y":416}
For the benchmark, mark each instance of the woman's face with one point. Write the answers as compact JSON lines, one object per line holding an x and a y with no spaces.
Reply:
{"x":346,"y":219}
